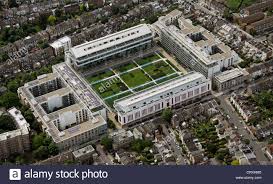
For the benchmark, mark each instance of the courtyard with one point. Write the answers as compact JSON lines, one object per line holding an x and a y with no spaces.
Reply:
{"x":132,"y":77}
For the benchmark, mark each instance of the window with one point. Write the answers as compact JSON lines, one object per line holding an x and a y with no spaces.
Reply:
{"x":190,"y":93}
{"x":177,"y":99}
{"x":157,"y":107}
{"x":144,"y":112}
{"x":196,"y":91}
{"x":184,"y":96}
{"x":203,"y":89}
{"x":137,"y":114}
{"x":151,"y":109}
{"x":130,"y":117}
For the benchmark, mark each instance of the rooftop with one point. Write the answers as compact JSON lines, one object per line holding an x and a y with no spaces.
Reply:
{"x":230,"y":74}
{"x":110,"y":40}
{"x":149,"y":93}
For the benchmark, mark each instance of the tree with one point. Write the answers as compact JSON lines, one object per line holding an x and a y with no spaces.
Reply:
{"x":53,"y":149}
{"x":139,"y":145}
{"x":13,"y":86}
{"x":9,"y":99}
{"x":235,"y":162}
{"x":6,"y":124}
{"x":38,"y":141}
{"x":41,"y":153}
{"x":51,"y":19}
{"x":111,"y":124}
{"x":167,"y":115}
{"x":107,"y":143}
{"x":246,"y":141}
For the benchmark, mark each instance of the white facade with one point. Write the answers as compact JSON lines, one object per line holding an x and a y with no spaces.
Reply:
{"x":66,"y":115}
{"x":177,"y":91}
{"x":61,"y":45}
{"x":194,"y":46}
{"x":114,"y":45}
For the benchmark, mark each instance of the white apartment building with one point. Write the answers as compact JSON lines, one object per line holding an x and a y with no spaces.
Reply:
{"x":111,"y":46}
{"x":181,"y":90}
{"x":15,"y":141}
{"x":66,"y":108}
{"x":194,"y":46}
{"x":230,"y":78}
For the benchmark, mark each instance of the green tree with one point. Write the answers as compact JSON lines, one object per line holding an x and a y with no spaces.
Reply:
{"x":53,"y":149}
{"x":139,"y":145}
{"x":13,"y":86}
{"x":38,"y":141}
{"x":235,"y":162}
{"x":107,"y":143}
{"x":167,"y":114}
{"x":51,"y":19}
{"x":6,"y":123}
{"x":41,"y":153}
{"x":9,"y":99}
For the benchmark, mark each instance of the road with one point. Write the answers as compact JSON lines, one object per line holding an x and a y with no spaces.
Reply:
{"x":173,"y":144}
{"x":237,"y":121}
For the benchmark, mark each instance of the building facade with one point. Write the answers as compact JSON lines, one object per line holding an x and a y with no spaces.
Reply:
{"x":16,"y":141}
{"x":58,"y":103}
{"x":172,"y":93}
{"x":112,"y":46}
{"x":194,"y":46}
{"x":230,"y":78}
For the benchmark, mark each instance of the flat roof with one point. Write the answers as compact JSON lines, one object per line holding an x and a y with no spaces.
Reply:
{"x":60,"y":42}
{"x":18,"y":117}
{"x":110,"y":40}
{"x":159,"y":89}
{"x":230,"y":74}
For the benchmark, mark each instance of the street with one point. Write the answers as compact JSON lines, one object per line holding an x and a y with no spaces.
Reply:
{"x":237,"y":121}
{"x":177,"y":150}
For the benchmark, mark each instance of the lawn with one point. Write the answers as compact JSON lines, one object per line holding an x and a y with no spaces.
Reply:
{"x":126,"y":67}
{"x":148,"y":59}
{"x":110,"y":101}
{"x":158,"y":69}
{"x":234,"y":4}
{"x":135,"y":78}
{"x":100,"y":76}
{"x":109,"y":87}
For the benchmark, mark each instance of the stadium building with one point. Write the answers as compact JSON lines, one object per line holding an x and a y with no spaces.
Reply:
{"x":179,"y":91}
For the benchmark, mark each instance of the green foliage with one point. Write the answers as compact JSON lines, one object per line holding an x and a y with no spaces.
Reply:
{"x":139,"y":145}
{"x":41,"y":153}
{"x":13,"y":86}
{"x":107,"y":143}
{"x":167,"y":114}
{"x":215,"y":147}
{"x":43,"y":146}
{"x":235,"y":162}
{"x":51,"y":19}
{"x":9,"y":99}
{"x":53,"y":149}
{"x":6,"y":124}
{"x":38,"y":140}
{"x":111,"y":124}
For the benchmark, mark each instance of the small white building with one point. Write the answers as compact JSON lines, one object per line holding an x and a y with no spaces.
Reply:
{"x":61,"y":45}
